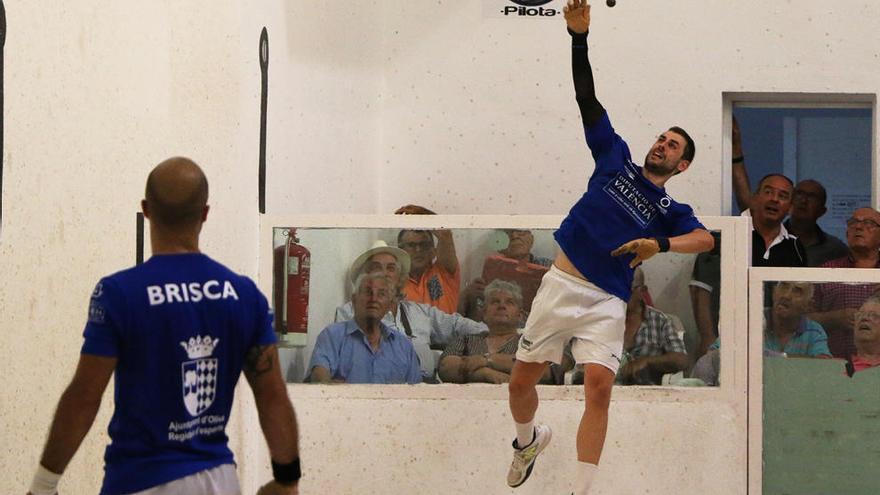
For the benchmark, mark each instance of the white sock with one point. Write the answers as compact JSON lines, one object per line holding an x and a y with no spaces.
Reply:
{"x":585,"y":474}
{"x":525,"y":433}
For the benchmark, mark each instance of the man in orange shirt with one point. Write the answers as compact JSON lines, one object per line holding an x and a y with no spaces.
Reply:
{"x":434,"y":275}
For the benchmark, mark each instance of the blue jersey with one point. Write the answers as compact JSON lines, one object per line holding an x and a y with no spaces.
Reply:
{"x":620,"y":205}
{"x":180,"y":326}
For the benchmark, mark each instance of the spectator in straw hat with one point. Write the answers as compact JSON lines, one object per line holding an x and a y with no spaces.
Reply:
{"x":428,"y":327}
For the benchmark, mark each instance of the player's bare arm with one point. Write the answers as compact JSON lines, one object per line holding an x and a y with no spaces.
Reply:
{"x":77,"y":408}
{"x":275,"y":411}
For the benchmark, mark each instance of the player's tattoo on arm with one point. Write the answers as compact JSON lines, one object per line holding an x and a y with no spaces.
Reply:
{"x":260,"y":359}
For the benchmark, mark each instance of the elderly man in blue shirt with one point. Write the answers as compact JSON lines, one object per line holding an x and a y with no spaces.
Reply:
{"x":364,"y":349}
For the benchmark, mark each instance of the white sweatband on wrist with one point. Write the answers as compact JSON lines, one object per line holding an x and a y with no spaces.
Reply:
{"x":45,"y":482}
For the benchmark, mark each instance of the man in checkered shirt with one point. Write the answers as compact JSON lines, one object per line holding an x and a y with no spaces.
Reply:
{"x":835,"y":304}
{"x":651,"y":346}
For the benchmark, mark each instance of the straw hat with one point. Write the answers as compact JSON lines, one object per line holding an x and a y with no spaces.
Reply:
{"x":378,"y":247}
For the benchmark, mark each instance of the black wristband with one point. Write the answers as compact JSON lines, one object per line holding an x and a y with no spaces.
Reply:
{"x":663,"y":242}
{"x":738,"y":159}
{"x":286,"y":474}
{"x":578,"y":36}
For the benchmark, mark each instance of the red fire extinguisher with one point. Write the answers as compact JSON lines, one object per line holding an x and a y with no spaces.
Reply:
{"x":291,"y":266}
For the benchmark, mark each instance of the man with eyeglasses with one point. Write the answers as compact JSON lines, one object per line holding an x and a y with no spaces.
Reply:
{"x":866,"y":334}
{"x":434,"y":275}
{"x":835,"y":303}
{"x":807,"y":206}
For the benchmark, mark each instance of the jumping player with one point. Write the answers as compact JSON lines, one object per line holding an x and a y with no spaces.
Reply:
{"x":177,"y":331}
{"x":624,"y":218}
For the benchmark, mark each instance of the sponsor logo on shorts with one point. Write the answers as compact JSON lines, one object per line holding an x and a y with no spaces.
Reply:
{"x":615,"y":356}
{"x":525,"y":343}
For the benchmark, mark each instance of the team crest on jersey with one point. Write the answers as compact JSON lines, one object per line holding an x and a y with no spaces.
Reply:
{"x":627,"y":195}
{"x":199,"y":374}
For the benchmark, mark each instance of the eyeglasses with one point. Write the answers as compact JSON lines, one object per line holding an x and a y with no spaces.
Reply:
{"x":869,"y":316}
{"x":864,"y":222}
{"x":416,"y":246}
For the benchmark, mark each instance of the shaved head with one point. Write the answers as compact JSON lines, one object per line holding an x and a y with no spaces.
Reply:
{"x":177,"y":194}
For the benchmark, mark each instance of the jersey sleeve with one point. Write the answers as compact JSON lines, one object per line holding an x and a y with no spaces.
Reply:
{"x":682,"y":221}
{"x":601,"y":137}
{"x":103,"y":330}
{"x":263,"y":331}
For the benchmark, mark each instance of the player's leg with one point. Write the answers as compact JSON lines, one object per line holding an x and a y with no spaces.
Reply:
{"x":598,"y":381}
{"x":542,"y":341}
{"x":598,"y":344}
{"x":531,"y":439}
{"x":523,"y":396}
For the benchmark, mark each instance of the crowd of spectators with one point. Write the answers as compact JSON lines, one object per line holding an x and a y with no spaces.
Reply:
{"x":411,"y":320}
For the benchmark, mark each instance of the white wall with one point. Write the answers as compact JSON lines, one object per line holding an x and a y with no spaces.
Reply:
{"x":96,"y":93}
{"x":477,"y":115}
{"x":372,"y":105}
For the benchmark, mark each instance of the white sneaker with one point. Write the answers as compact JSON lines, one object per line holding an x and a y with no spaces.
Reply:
{"x":524,"y":458}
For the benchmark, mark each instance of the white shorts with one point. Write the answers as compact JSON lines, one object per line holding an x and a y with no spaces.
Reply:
{"x":568,"y":308}
{"x":220,"y":480}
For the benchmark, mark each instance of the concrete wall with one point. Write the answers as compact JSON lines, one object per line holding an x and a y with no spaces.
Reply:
{"x":372,"y":104}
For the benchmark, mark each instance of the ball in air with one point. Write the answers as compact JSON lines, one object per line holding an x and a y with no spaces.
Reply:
{"x":611,"y":3}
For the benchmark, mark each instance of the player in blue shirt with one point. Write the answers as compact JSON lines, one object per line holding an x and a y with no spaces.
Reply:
{"x":177,"y":331}
{"x":624,"y":218}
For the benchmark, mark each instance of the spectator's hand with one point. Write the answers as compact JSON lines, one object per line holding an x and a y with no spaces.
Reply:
{"x":494,"y":376}
{"x":275,"y":488}
{"x":642,"y":248}
{"x":495,"y":360}
{"x":473,"y":363}
{"x":839,"y":320}
{"x":413,"y":210}
{"x":475,"y":288}
{"x":577,"y":15}
{"x":632,"y":368}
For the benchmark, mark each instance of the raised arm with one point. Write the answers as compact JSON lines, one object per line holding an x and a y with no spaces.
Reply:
{"x":277,"y":419}
{"x":741,"y":187}
{"x":446,"y":256}
{"x":577,"y":17}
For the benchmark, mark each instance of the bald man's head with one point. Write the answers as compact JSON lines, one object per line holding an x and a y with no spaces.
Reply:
{"x":177,"y":193}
